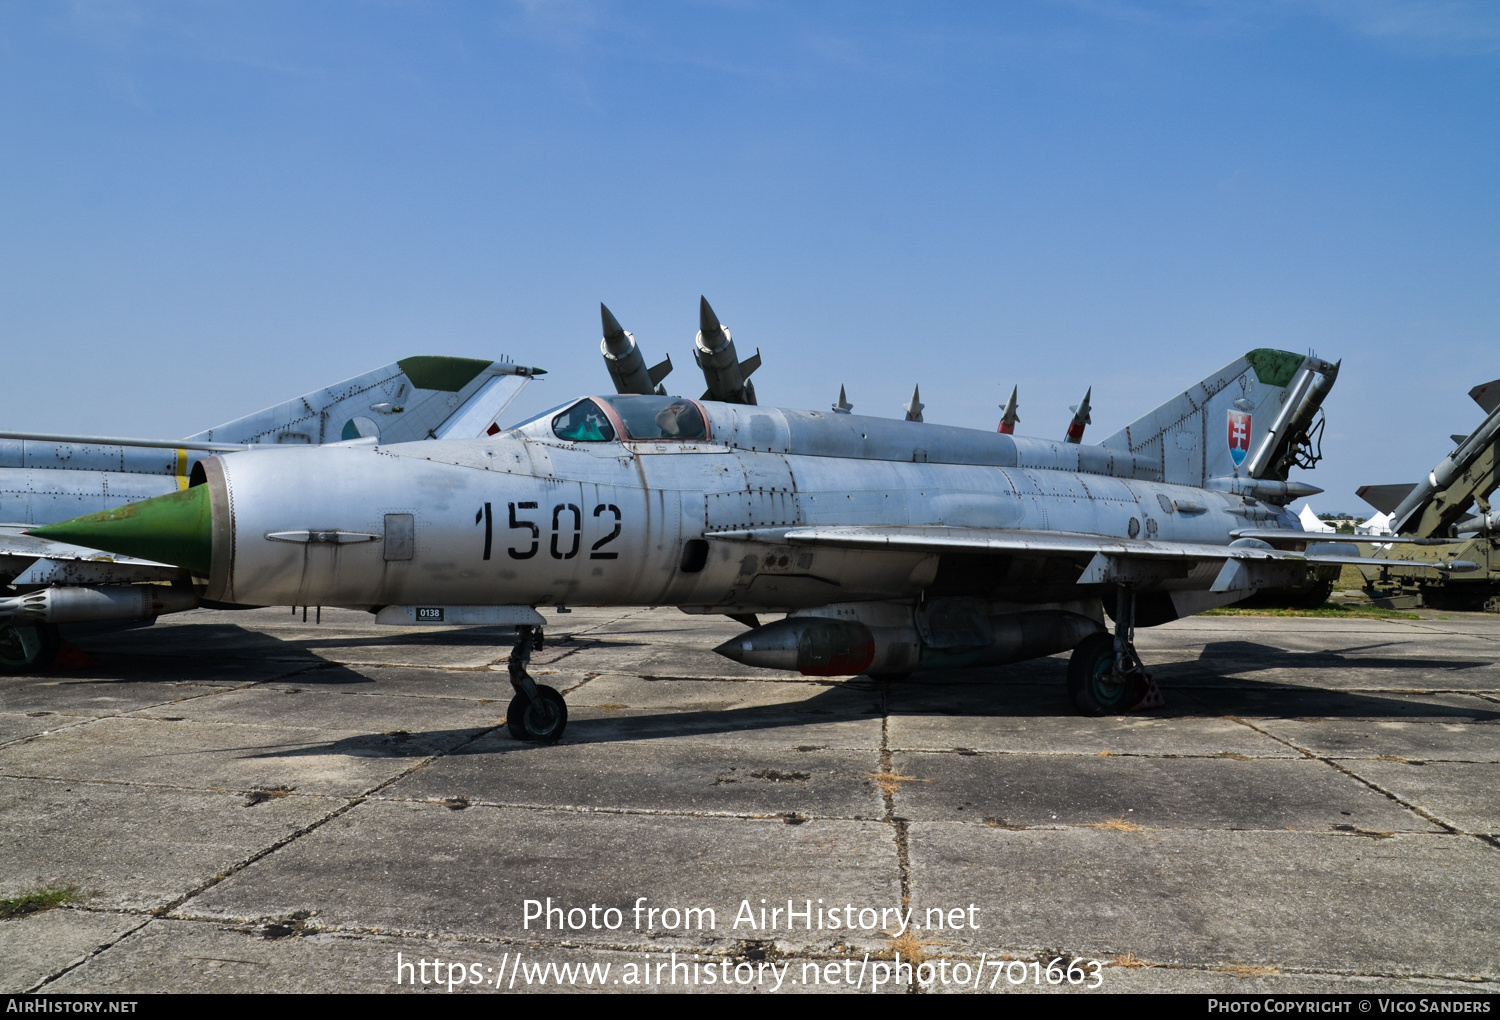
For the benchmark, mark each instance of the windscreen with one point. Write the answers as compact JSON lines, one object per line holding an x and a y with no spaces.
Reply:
{"x":653,"y":417}
{"x":584,"y":422}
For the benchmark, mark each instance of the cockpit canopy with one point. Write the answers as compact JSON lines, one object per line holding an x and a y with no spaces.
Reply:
{"x":644,"y":417}
{"x":653,"y":417}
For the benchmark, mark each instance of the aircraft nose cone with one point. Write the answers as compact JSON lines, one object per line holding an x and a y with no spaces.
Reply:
{"x":176,"y":528}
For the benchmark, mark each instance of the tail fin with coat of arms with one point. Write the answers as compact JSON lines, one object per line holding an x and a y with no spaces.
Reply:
{"x":1254,"y":418}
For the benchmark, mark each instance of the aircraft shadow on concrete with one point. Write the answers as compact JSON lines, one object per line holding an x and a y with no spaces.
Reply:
{"x":142,"y":654}
{"x":234,"y":638}
{"x":1207,"y":687}
{"x":861,"y":699}
{"x":1241,"y":656}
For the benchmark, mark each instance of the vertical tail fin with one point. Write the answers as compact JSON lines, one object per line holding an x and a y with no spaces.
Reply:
{"x":1239,"y":422}
{"x":416,"y":398}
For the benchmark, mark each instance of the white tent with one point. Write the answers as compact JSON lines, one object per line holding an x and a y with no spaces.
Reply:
{"x":1310,"y":520}
{"x":1380,"y":524}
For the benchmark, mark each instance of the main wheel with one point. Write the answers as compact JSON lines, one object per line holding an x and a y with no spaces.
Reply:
{"x":537,"y":727}
{"x":1093,"y":685}
{"x":27,"y":648}
{"x":1313,"y":596}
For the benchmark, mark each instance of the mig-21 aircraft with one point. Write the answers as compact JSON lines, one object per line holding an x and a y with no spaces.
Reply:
{"x":892,"y":546}
{"x":46,"y":478}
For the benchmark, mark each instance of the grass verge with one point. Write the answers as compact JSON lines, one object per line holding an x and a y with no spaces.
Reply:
{"x":1329,"y":612}
{"x":37,"y":900}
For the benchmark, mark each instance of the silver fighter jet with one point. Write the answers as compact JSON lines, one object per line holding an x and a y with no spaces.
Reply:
{"x":892,"y":546}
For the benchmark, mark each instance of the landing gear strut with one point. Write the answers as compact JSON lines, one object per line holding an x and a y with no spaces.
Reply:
{"x":537,"y":714}
{"x":1105,"y":675}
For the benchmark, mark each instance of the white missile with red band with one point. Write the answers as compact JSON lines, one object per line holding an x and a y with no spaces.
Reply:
{"x":1008,"y":415}
{"x":1081,"y":418}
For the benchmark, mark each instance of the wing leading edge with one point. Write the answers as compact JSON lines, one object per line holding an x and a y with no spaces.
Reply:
{"x":1247,"y":563}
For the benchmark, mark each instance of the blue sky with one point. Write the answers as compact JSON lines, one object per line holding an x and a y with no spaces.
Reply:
{"x":210,"y":207}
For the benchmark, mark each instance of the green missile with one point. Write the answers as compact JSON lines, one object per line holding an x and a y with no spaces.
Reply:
{"x":175,"y":528}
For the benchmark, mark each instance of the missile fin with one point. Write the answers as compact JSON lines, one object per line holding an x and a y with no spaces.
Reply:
{"x":661,"y":371}
{"x":1487,"y":395}
{"x":750,"y":364}
{"x":1385,"y":498}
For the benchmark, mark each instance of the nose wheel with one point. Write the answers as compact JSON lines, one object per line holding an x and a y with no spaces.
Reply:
{"x":1105,"y":675}
{"x":537,"y":714}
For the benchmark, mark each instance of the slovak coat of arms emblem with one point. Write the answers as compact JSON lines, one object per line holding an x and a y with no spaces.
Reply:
{"x":1239,"y":436}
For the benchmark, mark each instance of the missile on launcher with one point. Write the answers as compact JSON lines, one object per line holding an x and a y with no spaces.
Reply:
{"x":627,"y":366}
{"x":1080,"y":419}
{"x":914,"y":407}
{"x":1009,"y":417}
{"x":728,"y":377}
{"x":1449,"y":489}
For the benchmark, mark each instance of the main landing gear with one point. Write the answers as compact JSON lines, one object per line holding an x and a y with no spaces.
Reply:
{"x":537,"y":714}
{"x":1105,"y":675}
{"x":27,"y":647}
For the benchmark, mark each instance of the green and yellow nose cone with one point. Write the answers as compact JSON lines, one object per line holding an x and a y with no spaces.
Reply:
{"x":175,"y":528}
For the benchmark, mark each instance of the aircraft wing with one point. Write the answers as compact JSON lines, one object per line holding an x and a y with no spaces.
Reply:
{"x":26,"y":559}
{"x":938,"y":539}
{"x":1109,"y":559}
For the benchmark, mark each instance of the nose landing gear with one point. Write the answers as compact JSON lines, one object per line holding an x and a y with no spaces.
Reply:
{"x":537,"y":714}
{"x":1105,"y":675}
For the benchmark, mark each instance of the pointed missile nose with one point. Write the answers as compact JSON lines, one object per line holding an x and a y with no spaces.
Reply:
{"x":708,"y":322}
{"x":616,"y":340}
{"x":612,"y":327}
{"x":176,"y":528}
